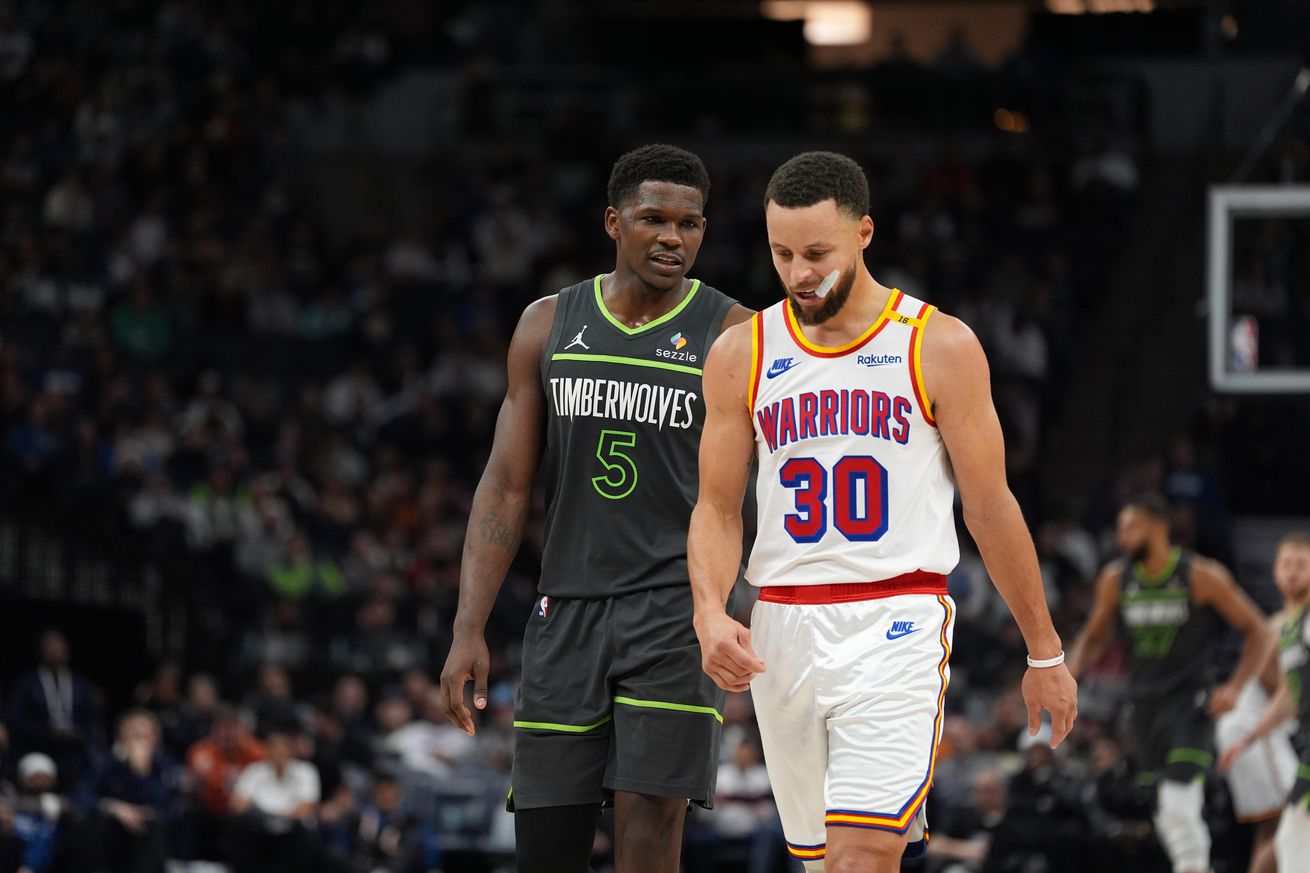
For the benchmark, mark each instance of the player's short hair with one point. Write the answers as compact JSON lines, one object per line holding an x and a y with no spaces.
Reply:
{"x":813,"y":177}
{"x":656,"y":163}
{"x":1152,"y":504}
{"x":1295,"y":538}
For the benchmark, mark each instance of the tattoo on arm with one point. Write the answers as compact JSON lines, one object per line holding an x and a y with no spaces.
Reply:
{"x":495,"y":532}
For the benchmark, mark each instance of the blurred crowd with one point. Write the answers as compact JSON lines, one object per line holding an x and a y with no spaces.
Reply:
{"x":196,"y":374}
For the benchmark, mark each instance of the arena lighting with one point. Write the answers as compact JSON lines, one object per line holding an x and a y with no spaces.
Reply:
{"x":1098,"y":7}
{"x":827,"y":22}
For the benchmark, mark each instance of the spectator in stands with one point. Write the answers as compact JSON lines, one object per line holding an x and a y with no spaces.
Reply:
{"x":350,"y":710}
{"x":303,"y":573}
{"x":744,"y":821}
{"x":131,"y":798}
{"x":272,"y":703}
{"x":195,"y":717}
{"x":1118,"y":806}
{"x":214,"y":765}
{"x":275,"y":801}
{"x":53,"y":709}
{"x":34,"y":824}
{"x":389,"y":838}
{"x":959,"y":761}
{"x":162,"y":695}
{"x":432,"y":745}
{"x":379,"y":645}
{"x":984,"y":836}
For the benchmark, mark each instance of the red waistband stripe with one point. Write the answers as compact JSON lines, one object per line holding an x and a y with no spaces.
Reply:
{"x":917,"y":582}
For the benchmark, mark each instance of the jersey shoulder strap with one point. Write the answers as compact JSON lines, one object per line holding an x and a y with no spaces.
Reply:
{"x":718,"y":311}
{"x":909,"y":310}
{"x":567,"y":300}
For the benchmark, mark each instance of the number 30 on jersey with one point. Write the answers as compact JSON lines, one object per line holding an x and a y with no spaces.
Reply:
{"x":858,"y":490}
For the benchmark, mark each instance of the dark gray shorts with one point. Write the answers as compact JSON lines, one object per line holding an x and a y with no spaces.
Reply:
{"x":1174,"y":735}
{"x":613,"y":698}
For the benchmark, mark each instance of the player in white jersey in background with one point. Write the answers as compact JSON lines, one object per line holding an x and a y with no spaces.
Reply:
{"x":1263,"y":739}
{"x":1262,"y":775}
{"x":864,"y":409}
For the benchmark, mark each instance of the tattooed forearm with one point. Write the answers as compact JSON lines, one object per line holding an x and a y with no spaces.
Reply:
{"x":496,"y":533}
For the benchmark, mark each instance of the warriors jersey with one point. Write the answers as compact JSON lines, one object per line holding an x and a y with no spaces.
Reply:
{"x":854,"y":482}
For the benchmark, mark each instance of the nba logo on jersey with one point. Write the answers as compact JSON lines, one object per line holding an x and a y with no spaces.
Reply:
{"x":544,"y":605}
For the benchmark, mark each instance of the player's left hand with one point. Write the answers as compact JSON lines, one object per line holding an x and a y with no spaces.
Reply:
{"x":1222,"y":699}
{"x":1054,"y":690}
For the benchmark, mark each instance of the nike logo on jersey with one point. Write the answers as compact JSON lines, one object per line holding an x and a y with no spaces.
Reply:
{"x":780,"y":366}
{"x":901,"y":629}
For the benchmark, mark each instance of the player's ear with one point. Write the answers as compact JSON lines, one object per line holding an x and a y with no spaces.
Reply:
{"x":612,"y":222}
{"x":866,"y":232}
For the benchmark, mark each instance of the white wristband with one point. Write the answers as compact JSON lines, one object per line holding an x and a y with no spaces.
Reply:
{"x":1049,"y":662}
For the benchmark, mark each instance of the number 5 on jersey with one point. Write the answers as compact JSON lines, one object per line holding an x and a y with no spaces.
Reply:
{"x":620,"y":471}
{"x":859,"y":498}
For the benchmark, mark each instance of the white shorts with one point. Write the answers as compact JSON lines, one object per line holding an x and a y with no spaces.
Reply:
{"x":1292,"y":840}
{"x":850,"y":712}
{"x":1262,"y":775}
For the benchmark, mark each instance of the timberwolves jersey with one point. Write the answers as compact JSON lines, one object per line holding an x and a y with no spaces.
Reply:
{"x":624,"y":413}
{"x":1294,"y":658}
{"x":854,"y":482}
{"x":1170,"y":637}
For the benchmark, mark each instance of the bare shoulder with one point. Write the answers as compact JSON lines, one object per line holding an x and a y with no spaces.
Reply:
{"x":736,"y":315}
{"x":949,"y":343}
{"x":535,"y":323}
{"x":540,"y":313}
{"x":1208,"y":571}
{"x":955,"y":374}
{"x":733,"y":344}
{"x":728,"y":366}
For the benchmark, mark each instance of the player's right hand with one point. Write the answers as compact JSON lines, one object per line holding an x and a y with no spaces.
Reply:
{"x":468,"y":659}
{"x":726,"y":653}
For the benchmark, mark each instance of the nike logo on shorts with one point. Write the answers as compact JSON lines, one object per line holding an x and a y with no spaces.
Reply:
{"x":901,"y":629}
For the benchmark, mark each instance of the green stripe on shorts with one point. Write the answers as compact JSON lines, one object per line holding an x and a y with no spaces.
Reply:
{"x":566,"y":728}
{"x":1198,"y":757}
{"x":675,"y":707}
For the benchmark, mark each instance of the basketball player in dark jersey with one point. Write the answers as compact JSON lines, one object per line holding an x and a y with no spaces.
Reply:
{"x":605,"y":376}
{"x":1291,"y":842}
{"x":1170,"y":605}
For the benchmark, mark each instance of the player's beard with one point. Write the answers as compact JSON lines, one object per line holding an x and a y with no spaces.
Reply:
{"x":831,"y":305}
{"x":1137,"y":554}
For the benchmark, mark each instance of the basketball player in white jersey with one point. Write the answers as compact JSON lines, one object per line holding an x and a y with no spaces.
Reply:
{"x":1260,"y":777}
{"x":1289,"y":848}
{"x":864,"y":408}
